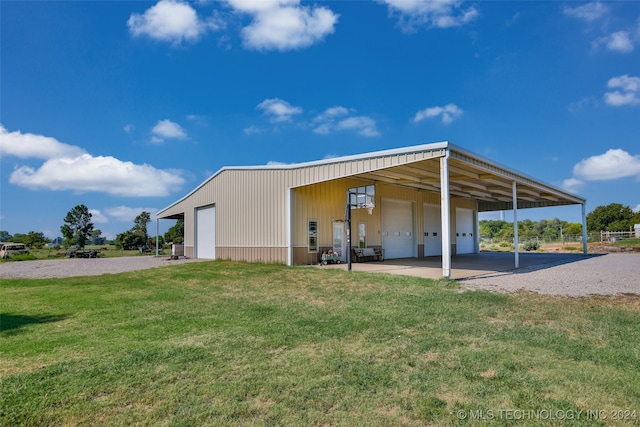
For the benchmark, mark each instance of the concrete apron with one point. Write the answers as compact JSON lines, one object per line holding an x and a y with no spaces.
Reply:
{"x":462,"y":266}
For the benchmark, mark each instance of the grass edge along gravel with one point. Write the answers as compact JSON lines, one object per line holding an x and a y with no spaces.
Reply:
{"x":228,"y":343}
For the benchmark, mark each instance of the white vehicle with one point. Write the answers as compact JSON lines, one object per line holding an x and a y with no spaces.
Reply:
{"x":8,"y":249}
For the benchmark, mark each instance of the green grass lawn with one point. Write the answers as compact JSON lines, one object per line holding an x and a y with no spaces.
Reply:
{"x":226,"y":343}
{"x":628,"y":242}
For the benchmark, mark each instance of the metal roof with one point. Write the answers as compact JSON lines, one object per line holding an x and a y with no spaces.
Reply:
{"x":470,"y":176}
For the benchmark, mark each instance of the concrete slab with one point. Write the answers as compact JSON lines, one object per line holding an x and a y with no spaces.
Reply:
{"x":462,"y":266}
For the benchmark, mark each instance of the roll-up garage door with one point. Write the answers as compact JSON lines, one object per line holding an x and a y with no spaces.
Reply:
{"x":397,"y":229}
{"x":206,"y":232}
{"x":464,"y":231}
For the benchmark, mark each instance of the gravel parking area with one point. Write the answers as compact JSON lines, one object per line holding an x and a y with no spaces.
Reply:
{"x":610,"y":274}
{"x":68,"y":267}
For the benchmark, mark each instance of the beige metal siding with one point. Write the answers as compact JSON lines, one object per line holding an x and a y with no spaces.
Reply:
{"x":251,"y":210}
{"x":252,"y":205}
{"x":325,"y":202}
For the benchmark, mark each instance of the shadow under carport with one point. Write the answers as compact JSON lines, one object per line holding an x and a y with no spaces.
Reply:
{"x":465,"y":266}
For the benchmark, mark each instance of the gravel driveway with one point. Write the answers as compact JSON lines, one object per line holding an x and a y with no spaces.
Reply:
{"x":67,"y":267}
{"x":610,"y":274}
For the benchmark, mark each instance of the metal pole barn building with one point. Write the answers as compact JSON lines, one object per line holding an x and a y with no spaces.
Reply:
{"x":426,"y":197}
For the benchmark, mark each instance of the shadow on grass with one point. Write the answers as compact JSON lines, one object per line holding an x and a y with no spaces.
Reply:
{"x":10,"y":324}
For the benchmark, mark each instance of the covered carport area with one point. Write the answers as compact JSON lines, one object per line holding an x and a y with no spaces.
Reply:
{"x":456,"y":172}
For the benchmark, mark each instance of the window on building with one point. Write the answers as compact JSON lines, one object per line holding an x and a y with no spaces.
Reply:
{"x":362,"y":197}
{"x":313,"y":236}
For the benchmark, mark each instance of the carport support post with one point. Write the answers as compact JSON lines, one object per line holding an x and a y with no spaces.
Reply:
{"x":157,"y":244}
{"x":445,"y":214}
{"x":348,"y":231}
{"x":515,"y":225}
{"x":585,"y":247}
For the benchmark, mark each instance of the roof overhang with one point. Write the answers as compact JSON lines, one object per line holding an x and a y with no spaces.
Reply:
{"x":470,"y":176}
{"x":475,"y":177}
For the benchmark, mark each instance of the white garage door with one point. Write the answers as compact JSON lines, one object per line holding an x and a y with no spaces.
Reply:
{"x":206,"y":233}
{"x":464,"y":231}
{"x":432,"y":230}
{"x":397,"y":229}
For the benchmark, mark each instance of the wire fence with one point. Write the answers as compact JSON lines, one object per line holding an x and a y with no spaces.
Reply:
{"x":594,"y":237}
{"x":614,"y":236}
{"x":542,"y":240}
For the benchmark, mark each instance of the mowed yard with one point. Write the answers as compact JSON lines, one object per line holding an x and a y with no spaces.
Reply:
{"x":227,"y":343}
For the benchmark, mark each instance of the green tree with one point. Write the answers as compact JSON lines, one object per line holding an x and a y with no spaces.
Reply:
{"x":574,"y":229}
{"x":176,"y":233}
{"x":140,"y":225}
{"x":77,"y":225}
{"x":19,"y":238}
{"x":129,"y":240}
{"x":95,"y":237}
{"x":612,"y":217}
{"x":5,"y":236}
{"x":35,"y":239}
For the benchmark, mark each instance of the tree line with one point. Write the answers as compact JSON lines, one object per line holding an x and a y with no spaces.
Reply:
{"x":78,"y":229}
{"x":612,"y":217}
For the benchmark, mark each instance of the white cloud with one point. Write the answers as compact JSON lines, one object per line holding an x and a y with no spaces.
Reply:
{"x":127,"y":214}
{"x":252,"y":130}
{"x":331,"y":113}
{"x":613,"y":164}
{"x":449,"y":113}
{"x":167,"y":129}
{"x":170,"y":21}
{"x":98,"y":217}
{"x":128,"y":128}
{"x":628,"y":93}
{"x":572,"y":185}
{"x":28,"y":145}
{"x":284,"y":24}
{"x":433,"y":13}
{"x":582,"y":104}
{"x":327,"y":122}
{"x":620,"y":42}
{"x":278,"y":110}
{"x":275,"y":24}
{"x":324,"y":128}
{"x":636,"y":209}
{"x":588,"y":12}
{"x":363,"y":125}
{"x":109,"y":175}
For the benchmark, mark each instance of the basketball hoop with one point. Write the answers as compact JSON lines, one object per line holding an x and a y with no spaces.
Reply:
{"x":369,"y":207}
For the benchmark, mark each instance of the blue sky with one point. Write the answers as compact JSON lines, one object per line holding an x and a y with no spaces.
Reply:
{"x":127,"y":106}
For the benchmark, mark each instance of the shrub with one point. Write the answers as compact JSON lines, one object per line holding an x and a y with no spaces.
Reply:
{"x":505,"y":244}
{"x":531,"y":245}
{"x":22,"y":257}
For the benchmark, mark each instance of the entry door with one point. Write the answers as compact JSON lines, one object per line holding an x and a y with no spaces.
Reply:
{"x":464,"y":231}
{"x":339,"y":240}
{"x":206,"y":233}
{"x":432,"y":230}
{"x":397,"y":229}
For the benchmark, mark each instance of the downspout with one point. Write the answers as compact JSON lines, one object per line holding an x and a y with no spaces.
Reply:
{"x":289,"y":229}
{"x":445,"y":214}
